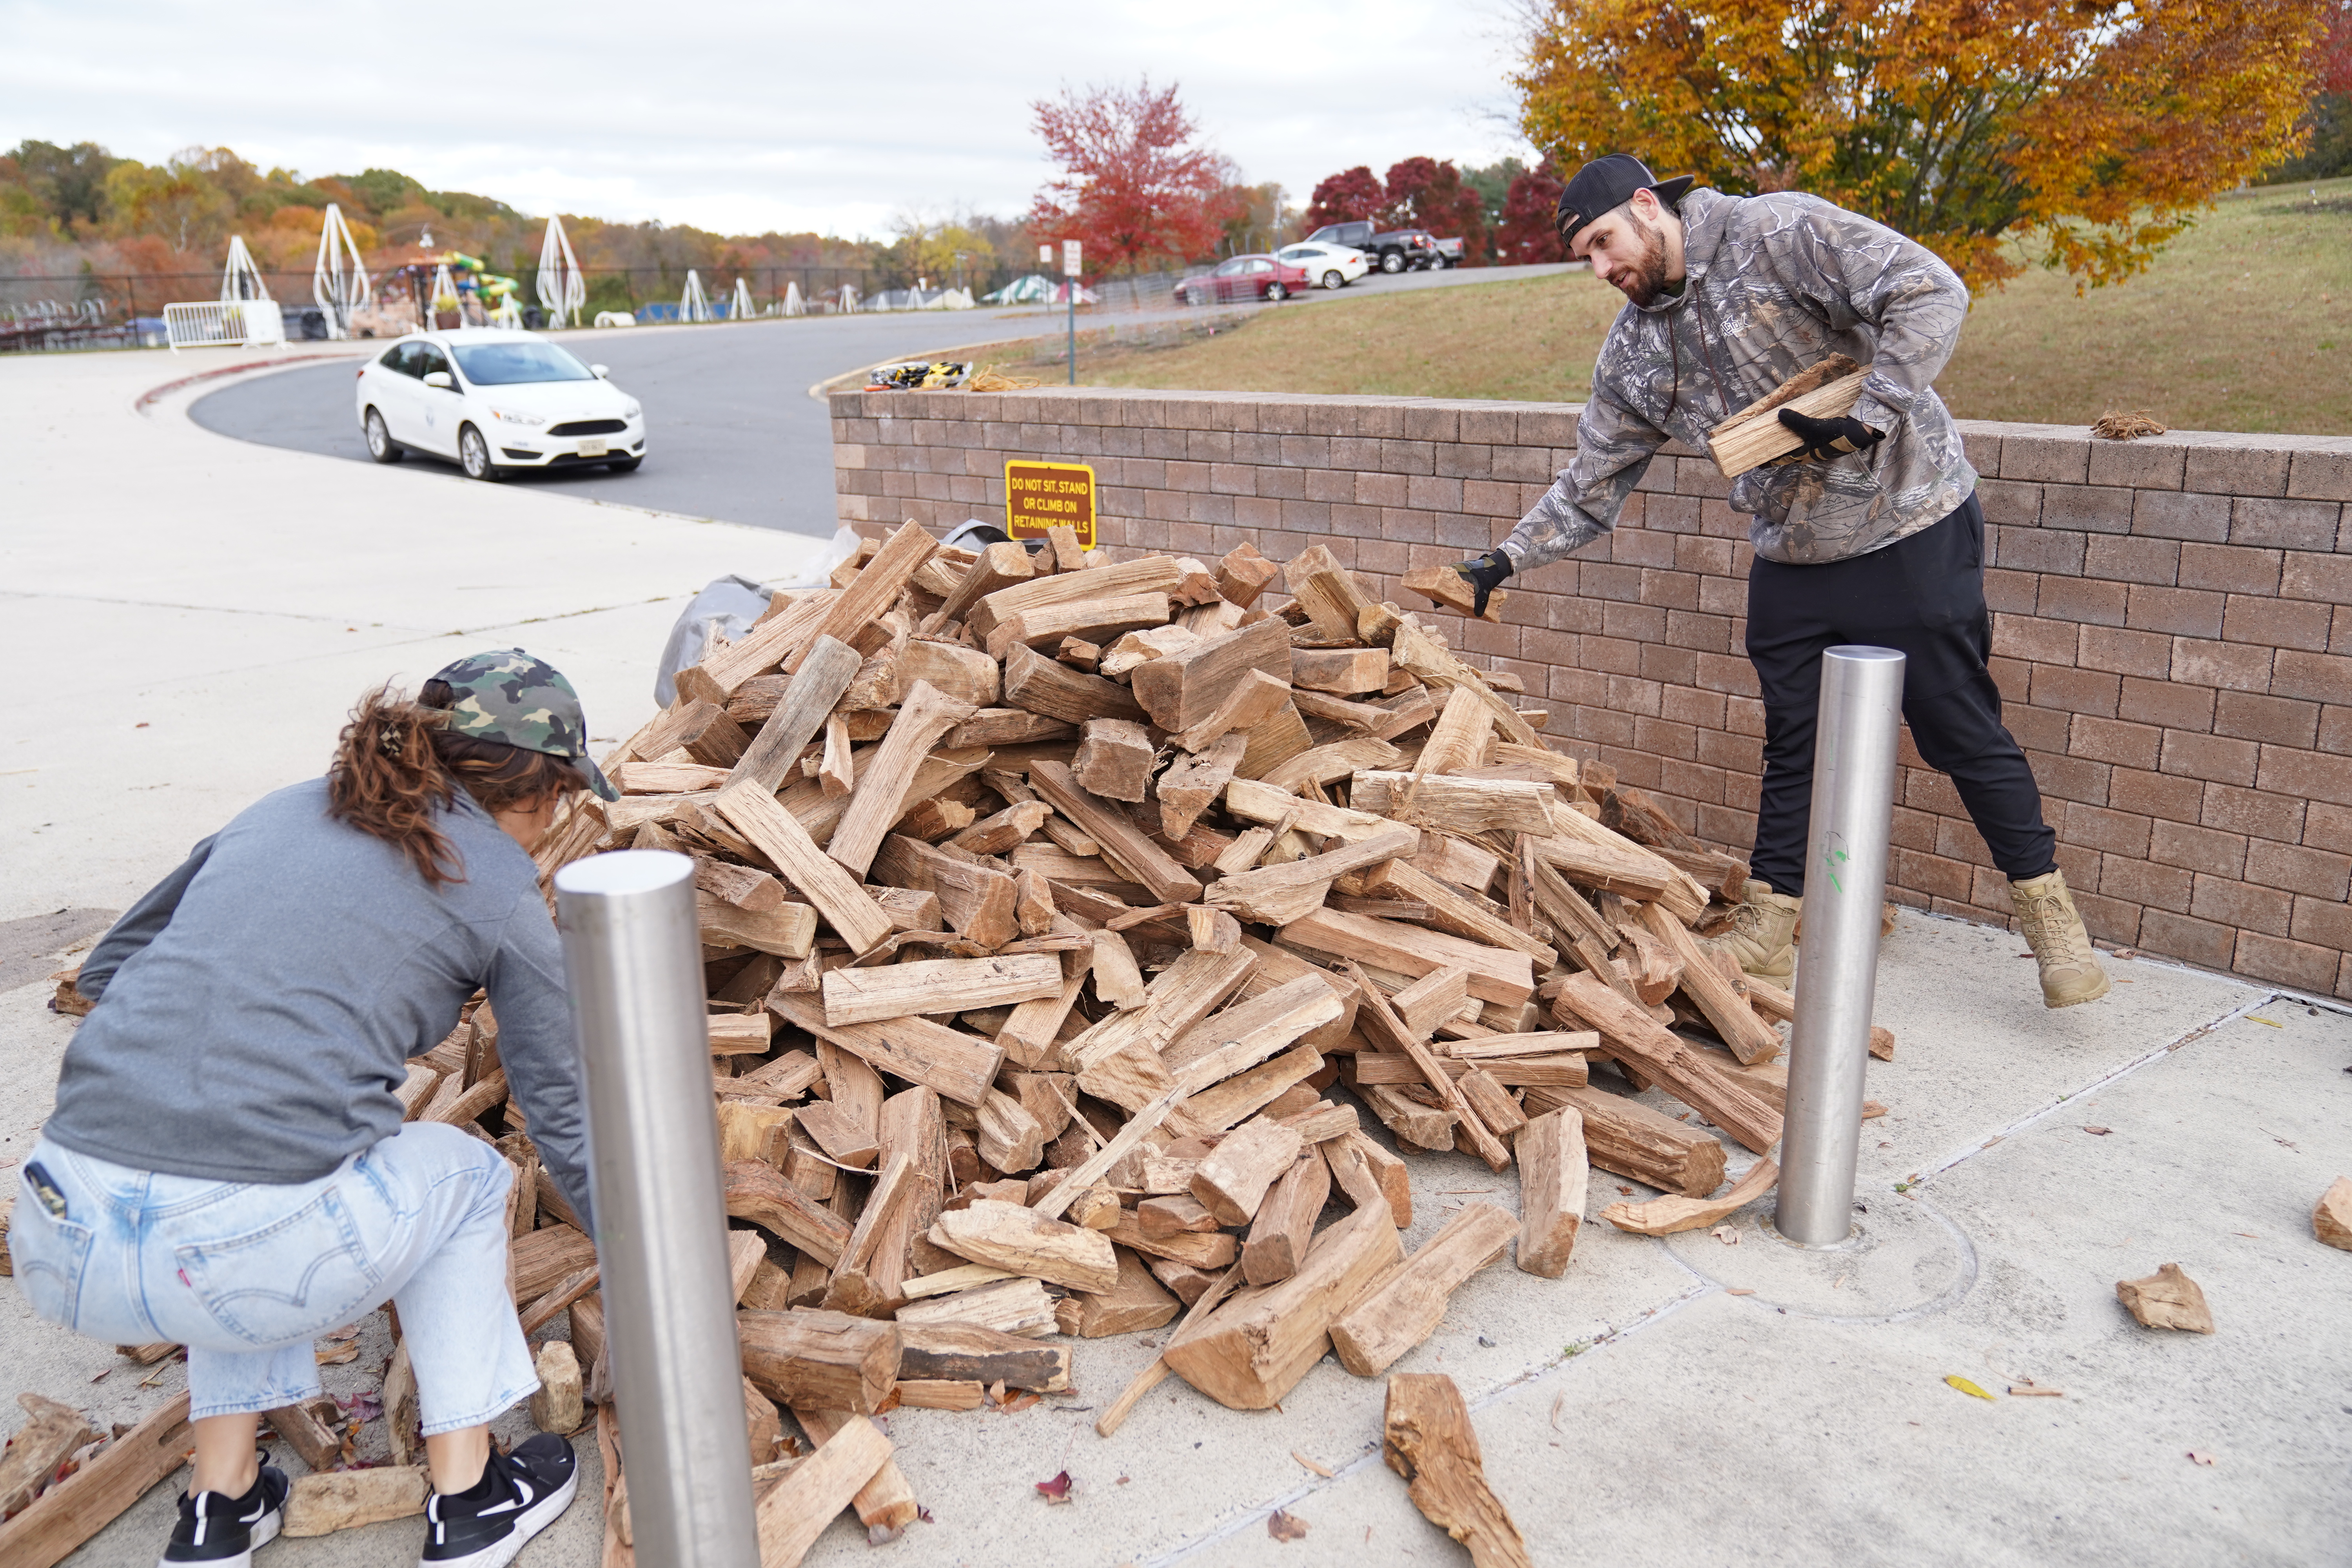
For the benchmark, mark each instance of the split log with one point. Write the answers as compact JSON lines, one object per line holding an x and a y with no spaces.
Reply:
{"x":1249,"y":701}
{"x":1553,"y":1174}
{"x":1182,"y":688}
{"x":1447,"y":589}
{"x":1277,"y":895}
{"x":2331,"y":1218}
{"x":1046,"y":687}
{"x":1453,"y":805}
{"x":1151,"y":574}
{"x":1275,"y":742}
{"x":977,"y":900}
{"x":1114,"y":758}
{"x":964,"y":674}
{"x":1405,"y":1305}
{"x":1191,"y":782}
{"x":829,"y":1361}
{"x":1426,"y":1437}
{"x":1496,"y":975}
{"x":1384,"y":1029}
{"x":1090,"y":620}
{"x":1326,"y":590}
{"x":70,"y":1512}
{"x":1001,"y":565}
{"x":1244,"y":575}
{"x":556,"y":1405}
{"x":1253,"y":1350}
{"x":1368,"y":1175}
{"x":1019,"y":1306}
{"x":1284,"y":1225}
{"x":1667,"y":1215}
{"x":963,"y":1352}
{"x":960,"y":1067}
{"x":825,"y":672}
{"x":1629,"y":1137}
{"x":753,"y":811}
{"x":51,"y":1434}
{"x":878,"y":587}
{"x":1137,"y":1302}
{"x":305,"y":1428}
{"x":1120,"y":838}
{"x":346,"y":1500}
{"x":758,"y":1192}
{"x":797,"y":1510}
{"x":885,"y":780}
{"x":886,"y":1505}
{"x":1672,"y":1062}
{"x":1715,"y":995}
{"x":938,"y":985}
{"x":1748,"y":440}
{"x":1023,"y":1241}
{"x":1344,"y":670}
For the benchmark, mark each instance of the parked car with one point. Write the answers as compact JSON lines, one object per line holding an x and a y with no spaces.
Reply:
{"x":1395,"y":250}
{"x":496,"y":401}
{"x":1329,"y":266}
{"x":1449,"y":253}
{"x":1242,"y":278}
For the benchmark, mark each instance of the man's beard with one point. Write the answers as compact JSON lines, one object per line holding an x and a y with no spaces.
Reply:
{"x":1647,"y":279}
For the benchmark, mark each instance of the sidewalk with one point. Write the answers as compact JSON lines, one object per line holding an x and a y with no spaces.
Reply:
{"x":154,"y":574}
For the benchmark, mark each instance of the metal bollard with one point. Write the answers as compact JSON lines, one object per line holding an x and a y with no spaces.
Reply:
{"x":634,"y":965}
{"x":1837,"y":969}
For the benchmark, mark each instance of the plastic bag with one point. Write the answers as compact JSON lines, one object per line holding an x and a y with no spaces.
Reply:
{"x":727,"y":606}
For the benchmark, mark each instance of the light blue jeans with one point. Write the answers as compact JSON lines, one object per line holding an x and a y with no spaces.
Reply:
{"x":248,"y":1275}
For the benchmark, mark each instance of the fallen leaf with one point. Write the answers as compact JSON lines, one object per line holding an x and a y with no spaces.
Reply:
{"x":1726,"y":1235}
{"x":1021,"y":1400}
{"x":1624,"y":1191}
{"x":1323,"y":1470}
{"x":363,"y":1408}
{"x":2098,"y":1132}
{"x":2199,"y":1459}
{"x":1965,"y":1386}
{"x":348,"y":1332}
{"x":1290,"y":1527}
{"x":2275,"y":1024}
{"x":334,"y":1354}
{"x":1057,"y":1489}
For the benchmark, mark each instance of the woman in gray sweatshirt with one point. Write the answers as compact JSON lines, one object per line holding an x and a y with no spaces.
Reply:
{"x":227,"y":1167}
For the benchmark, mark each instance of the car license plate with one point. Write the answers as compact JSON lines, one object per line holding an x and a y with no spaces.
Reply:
{"x":591,"y":448}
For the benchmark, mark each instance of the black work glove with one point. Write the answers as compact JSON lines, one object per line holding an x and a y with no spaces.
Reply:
{"x":1485,"y":574}
{"x":1825,"y":439}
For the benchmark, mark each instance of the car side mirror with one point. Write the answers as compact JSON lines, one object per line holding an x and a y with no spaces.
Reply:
{"x":442,"y":379}
{"x":599,"y":372}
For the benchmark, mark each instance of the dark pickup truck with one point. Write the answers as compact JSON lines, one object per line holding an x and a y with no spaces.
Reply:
{"x":1397,"y":250}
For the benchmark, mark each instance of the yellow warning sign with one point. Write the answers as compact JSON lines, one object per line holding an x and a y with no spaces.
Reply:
{"x":1039,"y":495}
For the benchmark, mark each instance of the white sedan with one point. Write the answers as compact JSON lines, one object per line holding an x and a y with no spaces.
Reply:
{"x":1327,"y":265}
{"x":496,"y":401}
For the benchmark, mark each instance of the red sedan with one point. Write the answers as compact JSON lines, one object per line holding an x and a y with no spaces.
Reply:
{"x":1244,"y":278}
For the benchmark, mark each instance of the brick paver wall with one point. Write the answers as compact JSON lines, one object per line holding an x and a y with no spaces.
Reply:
{"x":2172,"y":622}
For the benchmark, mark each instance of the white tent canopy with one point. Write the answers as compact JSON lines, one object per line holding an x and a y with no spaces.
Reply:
{"x":562,"y":288}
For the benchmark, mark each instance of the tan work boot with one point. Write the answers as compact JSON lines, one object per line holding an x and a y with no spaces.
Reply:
{"x":2062,"y":948}
{"x":1763,"y":933}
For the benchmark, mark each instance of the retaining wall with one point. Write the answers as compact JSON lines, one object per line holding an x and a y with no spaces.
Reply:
{"x":2172,"y":622}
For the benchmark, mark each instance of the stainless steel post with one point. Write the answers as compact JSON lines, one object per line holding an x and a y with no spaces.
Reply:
{"x":633,"y":965}
{"x":1837,"y":969}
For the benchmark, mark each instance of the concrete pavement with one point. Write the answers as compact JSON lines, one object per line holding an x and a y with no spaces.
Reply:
{"x":193,"y":615}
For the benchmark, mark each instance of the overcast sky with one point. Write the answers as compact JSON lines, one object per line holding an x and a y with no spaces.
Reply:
{"x":834,"y":117}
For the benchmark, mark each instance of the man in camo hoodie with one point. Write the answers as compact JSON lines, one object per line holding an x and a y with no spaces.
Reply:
{"x":1869,"y":534}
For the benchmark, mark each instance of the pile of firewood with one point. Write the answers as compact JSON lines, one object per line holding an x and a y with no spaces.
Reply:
{"x":1042,"y":900}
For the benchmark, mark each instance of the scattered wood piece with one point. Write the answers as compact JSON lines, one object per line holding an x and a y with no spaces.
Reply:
{"x":1426,"y":1437}
{"x":2167,"y":1298}
{"x":1405,"y":1305}
{"x":1670,"y":1214}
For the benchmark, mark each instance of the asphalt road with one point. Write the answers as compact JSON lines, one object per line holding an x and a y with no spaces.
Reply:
{"x":731,"y":433}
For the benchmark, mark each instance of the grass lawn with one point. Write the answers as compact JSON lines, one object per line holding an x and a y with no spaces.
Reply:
{"x":2243,"y":323}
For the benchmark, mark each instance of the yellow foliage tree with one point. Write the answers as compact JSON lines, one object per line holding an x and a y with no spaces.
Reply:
{"x":2096,"y":128}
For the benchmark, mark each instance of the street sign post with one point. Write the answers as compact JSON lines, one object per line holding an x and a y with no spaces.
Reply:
{"x":1070,"y":287}
{"x":1039,"y":495}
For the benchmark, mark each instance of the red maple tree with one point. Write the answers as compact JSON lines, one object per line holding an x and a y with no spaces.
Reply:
{"x":1530,"y":231}
{"x":1425,"y":193}
{"x":1353,"y":196}
{"x":1134,"y":186}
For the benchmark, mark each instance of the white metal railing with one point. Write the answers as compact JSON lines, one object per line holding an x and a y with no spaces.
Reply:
{"x":223,"y":324}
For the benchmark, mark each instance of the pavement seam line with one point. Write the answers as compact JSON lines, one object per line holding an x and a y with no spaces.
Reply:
{"x":2157,"y":1054}
{"x":1258,"y":1512}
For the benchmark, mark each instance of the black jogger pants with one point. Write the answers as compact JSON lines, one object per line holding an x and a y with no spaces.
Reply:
{"x":1924,"y":597}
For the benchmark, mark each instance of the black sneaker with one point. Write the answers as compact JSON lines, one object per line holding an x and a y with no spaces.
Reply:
{"x":219,"y":1528}
{"x":530,"y":1487}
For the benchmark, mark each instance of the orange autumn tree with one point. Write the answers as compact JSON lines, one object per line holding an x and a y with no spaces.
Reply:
{"x":2095,"y":129}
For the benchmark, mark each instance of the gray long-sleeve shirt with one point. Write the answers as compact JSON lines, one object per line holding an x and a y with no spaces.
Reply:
{"x":257,"y":1006}
{"x":1774,"y":284}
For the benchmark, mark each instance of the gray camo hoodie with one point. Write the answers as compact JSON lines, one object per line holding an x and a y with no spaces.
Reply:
{"x":1774,"y":283}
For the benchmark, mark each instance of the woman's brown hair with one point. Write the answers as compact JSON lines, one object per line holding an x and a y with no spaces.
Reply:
{"x":398,"y":763}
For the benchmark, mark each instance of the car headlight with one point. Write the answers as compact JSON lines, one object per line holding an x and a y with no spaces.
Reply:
{"x":509,"y":417}
{"x":630,"y":412}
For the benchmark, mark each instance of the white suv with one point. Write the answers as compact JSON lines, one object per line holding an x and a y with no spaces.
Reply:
{"x":496,"y":400}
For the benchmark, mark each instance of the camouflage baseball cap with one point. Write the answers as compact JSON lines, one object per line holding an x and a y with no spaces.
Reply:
{"x":510,"y":697}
